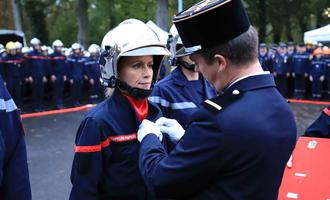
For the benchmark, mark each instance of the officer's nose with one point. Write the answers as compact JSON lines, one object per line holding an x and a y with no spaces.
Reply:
{"x":148,"y":71}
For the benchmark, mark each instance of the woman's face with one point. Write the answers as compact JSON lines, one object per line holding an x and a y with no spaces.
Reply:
{"x":136,"y":71}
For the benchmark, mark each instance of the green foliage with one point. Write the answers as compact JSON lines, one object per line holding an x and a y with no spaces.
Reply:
{"x":57,"y":19}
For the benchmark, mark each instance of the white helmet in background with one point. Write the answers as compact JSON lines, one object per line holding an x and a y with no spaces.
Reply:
{"x":57,"y":43}
{"x":18,"y":45}
{"x":35,"y":41}
{"x":94,"y":48}
{"x":44,"y":48}
{"x":175,"y":34}
{"x":25,"y":50}
{"x":75,"y":46}
{"x":2,"y":48}
{"x":132,"y":37}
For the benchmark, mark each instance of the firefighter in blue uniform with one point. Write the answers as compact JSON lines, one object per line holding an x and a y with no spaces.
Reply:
{"x":36,"y":73}
{"x":12,"y":72}
{"x":105,"y":164}
{"x":230,"y":149}
{"x":326,"y":58}
{"x":58,"y":72}
{"x":264,"y":58}
{"x":281,"y":69}
{"x":317,"y":73}
{"x":14,"y":174}
{"x":93,"y":73}
{"x":300,"y":70}
{"x":180,"y":93}
{"x":321,"y":126}
{"x":75,"y":66}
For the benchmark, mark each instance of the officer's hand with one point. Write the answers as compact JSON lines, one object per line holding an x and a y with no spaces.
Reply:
{"x":322,"y":78}
{"x":30,"y":79}
{"x":44,"y":79}
{"x":148,"y":127}
{"x":91,"y":81}
{"x":171,"y":127}
{"x":293,"y":74}
{"x":64,"y":78}
{"x":71,"y":81}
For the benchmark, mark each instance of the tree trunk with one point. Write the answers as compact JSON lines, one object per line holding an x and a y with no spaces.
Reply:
{"x":162,"y":14}
{"x":262,"y":20}
{"x":17,"y":15}
{"x":82,"y":7}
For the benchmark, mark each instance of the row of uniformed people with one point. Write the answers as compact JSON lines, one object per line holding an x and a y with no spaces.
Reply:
{"x":36,"y":67}
{"x":295,"y":68}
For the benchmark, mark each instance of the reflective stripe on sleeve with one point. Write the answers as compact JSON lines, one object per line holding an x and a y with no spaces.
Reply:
{"x":174,"y":106}
{"x":8,"y":105}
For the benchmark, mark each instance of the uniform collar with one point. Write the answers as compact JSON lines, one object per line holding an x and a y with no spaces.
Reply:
{"x":252,"y":82}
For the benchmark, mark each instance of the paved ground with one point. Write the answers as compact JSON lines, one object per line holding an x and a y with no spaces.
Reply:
{"x":50,"y":142}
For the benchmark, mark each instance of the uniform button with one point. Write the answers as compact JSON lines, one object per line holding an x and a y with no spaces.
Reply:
{"x":235,"y":92}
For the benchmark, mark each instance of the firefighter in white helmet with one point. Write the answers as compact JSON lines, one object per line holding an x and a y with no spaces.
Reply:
{"x":58,"y":72}
{"x":129,"y":64}
{"x":183,"y":86}
{"x":93,"y":73}
{"x":76,"y":73}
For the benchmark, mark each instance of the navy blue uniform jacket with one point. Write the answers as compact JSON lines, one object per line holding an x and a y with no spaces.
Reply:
{"x":172,"y":94}
{"x":14,"y":173}
{"x":106,"y":154}
{"x":236,"y":147}
{"x":321,"y":126}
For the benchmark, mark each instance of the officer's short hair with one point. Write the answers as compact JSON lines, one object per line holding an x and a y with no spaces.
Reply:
{"x":241,"y":50}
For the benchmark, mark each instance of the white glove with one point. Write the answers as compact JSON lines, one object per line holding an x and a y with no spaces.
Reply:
{"x":148,"y":127}
{"x":172,"y":127}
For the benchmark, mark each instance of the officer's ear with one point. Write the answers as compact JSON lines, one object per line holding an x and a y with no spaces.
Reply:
{"x":221,"y":62}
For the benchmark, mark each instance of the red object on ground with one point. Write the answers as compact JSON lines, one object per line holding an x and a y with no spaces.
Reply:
{"x":309,"y":176}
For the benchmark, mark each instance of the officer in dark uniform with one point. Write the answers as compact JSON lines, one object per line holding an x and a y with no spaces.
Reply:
{"x":281,"y":69}
{"x":317,"y":73}
{"x":300,"y":69}
{"x":58,"y":72}
{"x":237,"y":144}
{"x":264,"y":58}
{"x":14,"y":174}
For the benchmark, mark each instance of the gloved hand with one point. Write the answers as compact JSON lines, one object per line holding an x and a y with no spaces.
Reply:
{"x":148,"y":127}
{"x":171,"y":127}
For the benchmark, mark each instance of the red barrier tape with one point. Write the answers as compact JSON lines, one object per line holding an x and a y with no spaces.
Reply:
{"x":54,"y":112}
{"x":309,"y":102}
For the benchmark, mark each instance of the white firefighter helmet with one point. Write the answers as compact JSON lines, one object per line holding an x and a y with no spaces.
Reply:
{"x":44,"y":48}
{"x":25,"y":50}
{"x":2,"y":48}
{"x":57,"y":43}
{"x":94,"y":48}
{"x":132,"y":37}
{"x":18,"y":45}
{"x":75,"y":46}
{"x":35,"y":41}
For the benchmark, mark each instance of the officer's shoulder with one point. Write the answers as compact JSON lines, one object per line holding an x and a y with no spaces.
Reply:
{"x":221,"y":102}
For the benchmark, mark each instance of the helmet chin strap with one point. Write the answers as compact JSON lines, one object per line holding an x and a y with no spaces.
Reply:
{"x":186,"y":65}
{"x":136,"y":93}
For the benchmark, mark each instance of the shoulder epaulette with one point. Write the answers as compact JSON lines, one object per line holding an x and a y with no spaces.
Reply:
{"x":220,"y":102}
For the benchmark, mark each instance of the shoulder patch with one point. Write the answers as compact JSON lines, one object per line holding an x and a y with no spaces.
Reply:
{"x":220,"y":102}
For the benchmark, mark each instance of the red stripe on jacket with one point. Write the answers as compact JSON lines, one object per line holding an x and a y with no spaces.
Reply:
{"x":105,"y":143}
